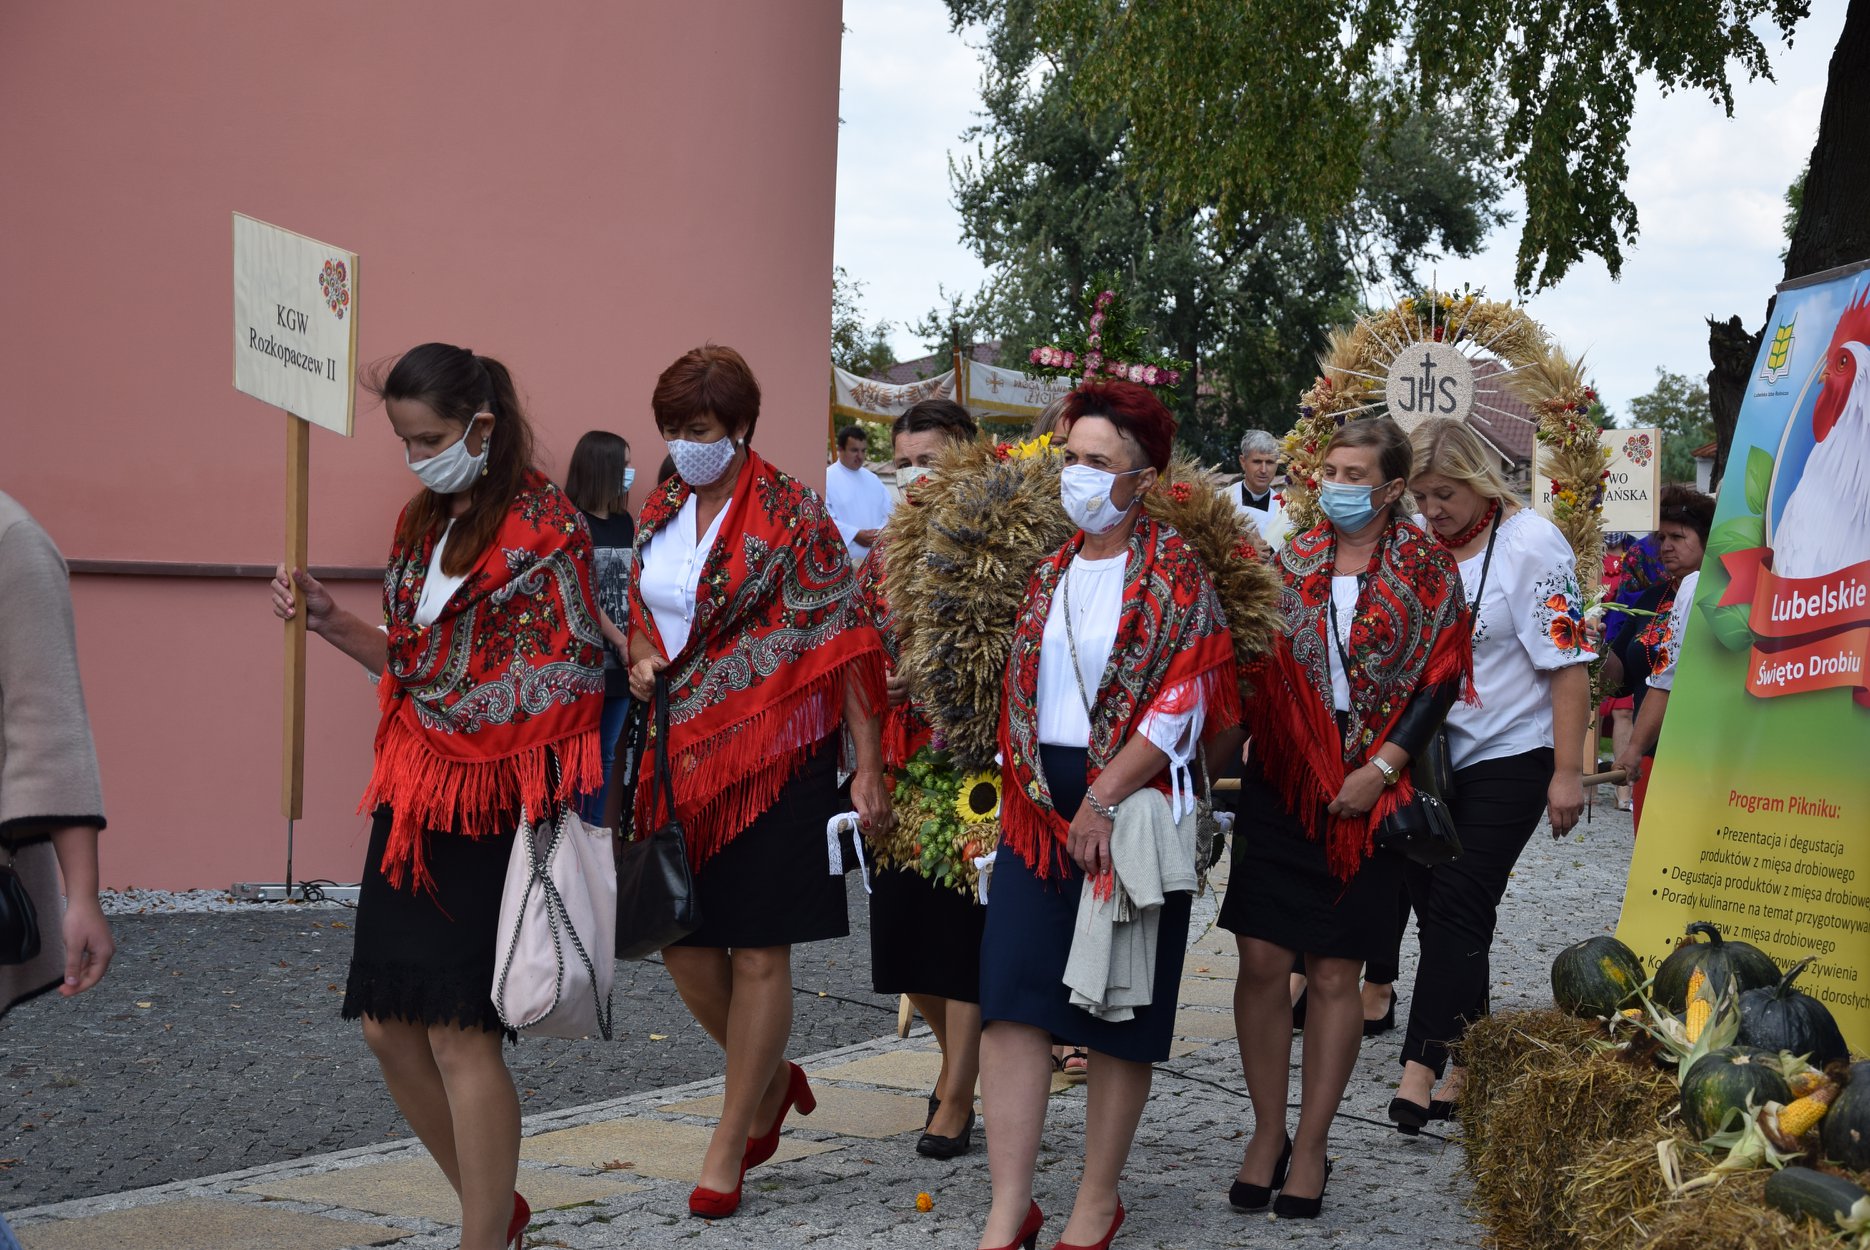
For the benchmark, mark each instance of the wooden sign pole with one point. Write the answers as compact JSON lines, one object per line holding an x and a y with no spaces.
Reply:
{"x":292,"y":796}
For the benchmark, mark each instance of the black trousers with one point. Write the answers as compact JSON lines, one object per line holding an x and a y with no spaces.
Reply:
{"x":1497,"y":804}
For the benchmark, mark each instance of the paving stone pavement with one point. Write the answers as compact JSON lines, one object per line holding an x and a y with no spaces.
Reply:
{"x":615,"y":1172}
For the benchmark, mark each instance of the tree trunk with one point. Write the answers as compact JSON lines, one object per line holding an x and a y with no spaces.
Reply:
{"x":1733,"y":352}
{"x":1833,"y":227}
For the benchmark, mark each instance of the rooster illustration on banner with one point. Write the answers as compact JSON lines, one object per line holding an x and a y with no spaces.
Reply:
{"x":1798,"y":554}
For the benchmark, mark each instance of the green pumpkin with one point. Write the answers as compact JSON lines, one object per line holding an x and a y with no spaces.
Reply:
{"x":1595,"y":978}
{"x":1846,"y":1127}
{"x":1724,"y":963}
{"x":1781,"y":1018}
{"x":1722,"y":1081}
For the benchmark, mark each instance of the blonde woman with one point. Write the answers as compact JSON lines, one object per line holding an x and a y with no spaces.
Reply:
{"x":1530,"y":654}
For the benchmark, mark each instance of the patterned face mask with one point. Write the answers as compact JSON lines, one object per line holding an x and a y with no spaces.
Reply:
{"x":701,"y":464}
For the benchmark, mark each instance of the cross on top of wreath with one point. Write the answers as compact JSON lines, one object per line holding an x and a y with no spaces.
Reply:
{"x":1110,"y":346}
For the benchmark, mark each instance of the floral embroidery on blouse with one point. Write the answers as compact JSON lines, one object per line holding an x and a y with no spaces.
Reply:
{"x":1557,"y":611}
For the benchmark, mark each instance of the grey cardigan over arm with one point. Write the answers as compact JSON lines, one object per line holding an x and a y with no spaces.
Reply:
{"x":48,"y":763}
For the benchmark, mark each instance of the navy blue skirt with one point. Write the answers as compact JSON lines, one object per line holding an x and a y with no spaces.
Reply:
{"x":1028,"y":938}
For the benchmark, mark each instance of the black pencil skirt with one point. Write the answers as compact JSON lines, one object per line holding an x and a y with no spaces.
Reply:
{"x":427,"y":957}
{"x":924,"y":937}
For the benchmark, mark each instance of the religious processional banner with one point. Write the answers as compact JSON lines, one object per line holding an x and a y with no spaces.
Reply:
{"x":1758,"y":814}
{"x":1007,"y":396}
{"x":869,"y":400}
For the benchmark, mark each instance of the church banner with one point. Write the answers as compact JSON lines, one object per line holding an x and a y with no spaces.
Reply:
{"x":869,"y":400}
{"x":1758,"y":815}
{"x":1009,"y":397}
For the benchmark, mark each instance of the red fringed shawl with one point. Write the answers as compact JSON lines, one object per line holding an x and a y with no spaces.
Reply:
{"x":906,"y":727}
{"x":512,"y":668}
{"x":1411,"y":631}
{"x":762,"y":678}
{"x":1172,"y":634}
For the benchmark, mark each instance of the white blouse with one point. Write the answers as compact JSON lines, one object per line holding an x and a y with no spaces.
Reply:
{"x":437,"y":587}
{"x":669,"y":574}
{"x":1096,"y":613}
{"x":1664,"y":677}
{"x":1528,"y":625}
{"x":1344,"y":607}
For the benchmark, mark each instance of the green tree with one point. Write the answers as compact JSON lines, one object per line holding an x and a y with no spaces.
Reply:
{"x":1050,"y":199}
{"x":861,"y":349}
{"x":1678,"y":407}
{"x":1256,"y":108}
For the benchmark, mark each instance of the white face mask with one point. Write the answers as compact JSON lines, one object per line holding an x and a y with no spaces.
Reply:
{"x":909,"y":475}
{"x":1085,"y":492}
{"x":629,"y":479}
{"x":453,"y":469}
{"x":701,"y":464}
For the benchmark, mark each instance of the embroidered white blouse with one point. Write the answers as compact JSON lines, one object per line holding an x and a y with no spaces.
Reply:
{"x":1664,"y":678}
{"x":1528,"y":625}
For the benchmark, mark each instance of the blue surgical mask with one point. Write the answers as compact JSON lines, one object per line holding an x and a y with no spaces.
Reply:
{"x":629,"y":479}
{"x":1347,"y":505}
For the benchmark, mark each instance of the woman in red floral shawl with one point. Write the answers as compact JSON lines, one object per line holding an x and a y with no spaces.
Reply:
{"x":1375,"y":651}
{"x":741,"y":603}
{"x":490,"y":675}
{"x":1121,"y":669}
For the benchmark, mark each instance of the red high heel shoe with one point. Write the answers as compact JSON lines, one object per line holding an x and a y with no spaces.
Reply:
{"x":712,"y":1204}
{"x":1100,"y":1245}
{"x":516,"y":1227}
{"x":798,"y":1094}
{"x":1028,"y":1235}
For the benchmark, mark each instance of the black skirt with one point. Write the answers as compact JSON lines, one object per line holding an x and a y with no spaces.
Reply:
{"x":1281,"y":889}
{"x":924,"y":937}
{"x":772,"y":885}
{"x":428,"y":957}
{"x":1028,"y":940}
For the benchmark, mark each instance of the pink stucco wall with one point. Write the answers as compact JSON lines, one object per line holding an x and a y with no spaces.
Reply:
{"x":584,"y":190}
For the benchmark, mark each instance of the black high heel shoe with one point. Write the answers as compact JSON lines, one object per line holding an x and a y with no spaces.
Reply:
{"x":1286,"y":1207}
{"x":934,"y":1106}
{"x":934,"y":1146}
{"x":1388,"y":1021}
{"x":1244,"y":1196}
{"x":1409,"y":1117}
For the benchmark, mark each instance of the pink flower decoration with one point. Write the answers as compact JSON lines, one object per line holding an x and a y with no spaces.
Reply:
{"x":1036,"y":356}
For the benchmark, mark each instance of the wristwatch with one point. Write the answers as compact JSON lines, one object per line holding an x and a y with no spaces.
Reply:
{"x":1391,"y":774}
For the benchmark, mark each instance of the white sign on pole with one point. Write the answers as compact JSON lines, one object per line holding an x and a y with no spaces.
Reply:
{"x":295,"y":326}
{"x":1633,"y":489}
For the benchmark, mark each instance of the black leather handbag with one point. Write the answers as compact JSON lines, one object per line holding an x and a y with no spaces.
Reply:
{"x":19,"y":922}
{"x":656,"y":902}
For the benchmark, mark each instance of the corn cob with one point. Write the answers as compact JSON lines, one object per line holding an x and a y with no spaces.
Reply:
{"x":1695,"y":982}
{"x":1809,"y":1081}
{"x":1699,"y":1012}
{"x":1785,"y":1125}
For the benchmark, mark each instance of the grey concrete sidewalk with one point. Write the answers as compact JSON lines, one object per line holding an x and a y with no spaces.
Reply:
{"x":618,"y":1173}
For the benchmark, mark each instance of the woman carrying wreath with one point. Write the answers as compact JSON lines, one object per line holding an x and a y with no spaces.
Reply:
{"x":1121,"y":667}
{"x":741,"y":602}
{"x":924,"y":935}
{"x":490,"y":676}
{"x":1374,"y":652}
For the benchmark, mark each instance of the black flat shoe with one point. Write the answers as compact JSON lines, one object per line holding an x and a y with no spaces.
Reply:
{"x":1298,"y":1013}
{"x":1244,"y":1196}
{"x":933,"y":1147}
{"x":1409,"y":1116}
{"x":1373,"y":1027}
{"x":1286,"y":1207}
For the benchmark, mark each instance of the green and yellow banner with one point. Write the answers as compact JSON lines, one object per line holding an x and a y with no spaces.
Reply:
{"x":1758,"y":814}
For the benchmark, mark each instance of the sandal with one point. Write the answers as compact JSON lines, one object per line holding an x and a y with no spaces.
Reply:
{"x":1077,"y":1065}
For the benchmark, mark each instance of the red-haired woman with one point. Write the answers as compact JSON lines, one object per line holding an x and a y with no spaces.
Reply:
{"x":1121,"y":668}
{"x":741,"y":603}
{"x":1374,"y":653}
{"x":491,"y":684}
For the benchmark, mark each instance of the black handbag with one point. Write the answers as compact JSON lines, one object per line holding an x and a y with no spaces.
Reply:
{"x":19,"y":921}
{"x":1423,"y":829}
{"x":656,"y":902}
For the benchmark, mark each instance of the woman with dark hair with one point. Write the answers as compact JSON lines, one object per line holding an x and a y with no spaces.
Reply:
{"x":599,"y":482}
{"x":1121,"y":669}
{"x":1646,"y":660}
{"x":924,"y":936}
{"x":1375,"y":651}
{"x":739,"y":616}
{"x":489,"y":671}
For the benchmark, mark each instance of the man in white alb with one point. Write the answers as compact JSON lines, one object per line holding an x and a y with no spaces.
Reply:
{"x":854,"y":496}
{"x":1253,"y":494}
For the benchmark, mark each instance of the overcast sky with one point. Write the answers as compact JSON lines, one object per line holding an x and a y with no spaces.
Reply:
{"x":1708,"y":191}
